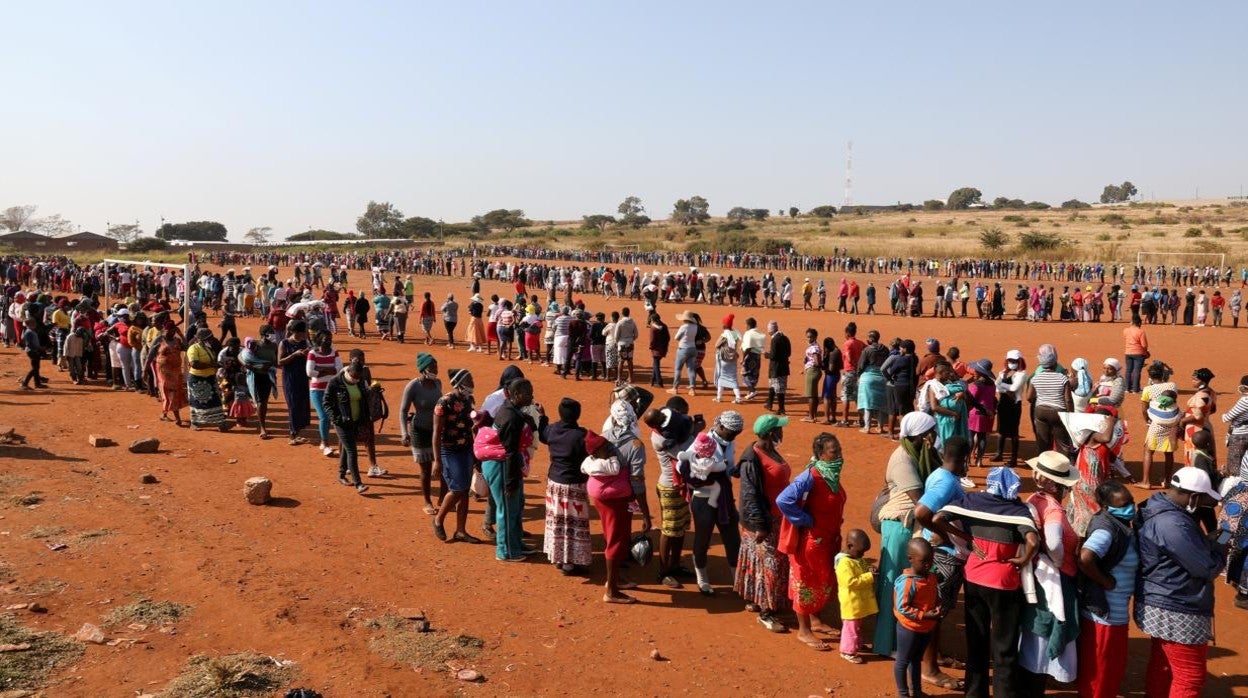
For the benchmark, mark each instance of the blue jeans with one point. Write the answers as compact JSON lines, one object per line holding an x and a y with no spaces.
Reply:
{"x":322,"y":419}
{"x":1135,"y":366}
{"x":686,"y":357}
{"x":508,"y":508}
{"x":910,"y":646}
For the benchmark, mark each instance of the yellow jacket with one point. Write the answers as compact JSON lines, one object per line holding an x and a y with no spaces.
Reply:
{"x":855,"y":588}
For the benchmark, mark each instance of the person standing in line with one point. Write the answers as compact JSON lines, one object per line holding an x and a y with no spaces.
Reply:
{"x":566,"y":541}
{"x":452,"y":455}
{"x":1108,"y":559}
{"x":812,"y":372}
{"x":778,"y":354}
{"x":292,"y":356}
{"x":626,"y":336}
{"x":450,"y":318}
{"x":851,"y":351}
{"x":399,"y":310}
{"x":1136,"y":352}
{"x":708,"y":466}
{"x":916,"y":609}
{"x":753,"y":344}
{"x":506,"y":475}
{"x":686,"y":351}
{"x":1174,"y":599}
{"x":346,"y":405}
{"x":420,"y":397}
{"x":762,"y":569}
{"x":726,"y":361}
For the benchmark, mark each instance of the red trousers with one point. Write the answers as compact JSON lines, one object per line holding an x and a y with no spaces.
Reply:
{"x":616,"y":527}
{"x":1175,"y":670}
{"x":1102,"y":658}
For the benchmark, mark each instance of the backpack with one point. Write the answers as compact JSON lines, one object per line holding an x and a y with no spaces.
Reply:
{"x":728,"y":353}
{"x":377,"y":406}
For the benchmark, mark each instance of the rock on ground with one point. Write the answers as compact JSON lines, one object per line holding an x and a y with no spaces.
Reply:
{"x":148,"y":479}
{"x":148,"y":445}
{"x":100,"y":441}
{"x":257,"y":490}
{"x":90,"y":633}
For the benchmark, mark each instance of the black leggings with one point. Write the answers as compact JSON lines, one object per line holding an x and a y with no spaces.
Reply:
{"x":705,"y":521}
{"x":33,"y":374}
{"x":348,"y":457}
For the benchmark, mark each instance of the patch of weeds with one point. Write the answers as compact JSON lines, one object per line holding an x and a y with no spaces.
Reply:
{"x":148,"y":612}
{"x":8,"y":481}
{"x":94,"y":534}
{"x":401,"y":641}
{"x":43,"y":587}
{"x":25,"y":500}
{"x":28,"y":669}
{"x":41,"y":532}
{"x":240,"y":675}
{"x":7,"y":573}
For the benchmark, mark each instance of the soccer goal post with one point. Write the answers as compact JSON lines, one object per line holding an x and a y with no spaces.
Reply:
{"x":135,"y":267}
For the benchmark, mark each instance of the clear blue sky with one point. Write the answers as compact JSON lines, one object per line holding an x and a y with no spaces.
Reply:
{"x":295,"y":114}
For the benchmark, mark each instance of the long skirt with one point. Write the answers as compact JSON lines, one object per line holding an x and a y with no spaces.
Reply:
{"x":762,"y":572}
{"x":725,"y":375}
{"x":205,"y":401}
{"x":894,"y":539}
{"x":295,"y":388}
{"x":617,"y":524}
{"x":812,"y":574}
{"x":872,"y":390}
{"x":172,"y":386}
{"x":561,"y":350}
{"x":476,"y":331}
{"x":566,"y":539}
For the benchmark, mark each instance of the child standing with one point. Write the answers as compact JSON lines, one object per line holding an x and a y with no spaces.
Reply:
{"x":855,"y":584}
{"x":916,"y":605}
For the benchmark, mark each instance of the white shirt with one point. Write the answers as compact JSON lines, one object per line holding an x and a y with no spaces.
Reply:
{"x":753,"y":340}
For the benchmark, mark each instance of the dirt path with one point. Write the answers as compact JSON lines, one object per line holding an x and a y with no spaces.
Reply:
{"x":297,"y":579}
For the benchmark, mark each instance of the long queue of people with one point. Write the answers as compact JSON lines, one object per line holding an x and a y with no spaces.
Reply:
{"x":1046,"y":583}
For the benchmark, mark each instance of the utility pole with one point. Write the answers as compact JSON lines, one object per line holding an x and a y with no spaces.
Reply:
{"x":849,"y":173}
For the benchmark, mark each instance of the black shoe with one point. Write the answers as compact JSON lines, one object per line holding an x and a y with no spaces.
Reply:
{"x":1241,"y":601}
{"x":684,"y":572}
{"x":489,"y":531}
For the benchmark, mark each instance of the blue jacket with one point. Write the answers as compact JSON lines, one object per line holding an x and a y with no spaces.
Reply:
{"x":1177,"y":563}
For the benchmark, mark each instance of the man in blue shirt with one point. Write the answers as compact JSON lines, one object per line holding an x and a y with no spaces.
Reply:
{"x":34,"y":352}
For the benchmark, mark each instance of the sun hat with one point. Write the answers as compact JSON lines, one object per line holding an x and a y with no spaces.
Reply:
{"x":1056,"y":467}
{"x":1191,"y":479}
{"x":983,"y":367}
{"x":766,"y":423}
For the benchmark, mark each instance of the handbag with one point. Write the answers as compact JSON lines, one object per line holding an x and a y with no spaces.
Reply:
{"x":880,"y":500}
{"x":480,"y":488}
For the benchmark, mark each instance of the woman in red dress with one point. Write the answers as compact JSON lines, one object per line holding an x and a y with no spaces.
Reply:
{"x":813,"y":506}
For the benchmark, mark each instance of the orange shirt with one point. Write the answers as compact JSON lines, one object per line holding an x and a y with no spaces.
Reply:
{"x":1136,"y":341}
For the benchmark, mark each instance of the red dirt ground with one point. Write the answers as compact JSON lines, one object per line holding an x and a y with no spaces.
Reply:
{"x":281,"y":579}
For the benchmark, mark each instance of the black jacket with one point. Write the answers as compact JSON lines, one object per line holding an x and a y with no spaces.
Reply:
{"x":510,"y":423}
{"x":338,"y":403}
{"x":754,"y":507}
{"x":362,"y":306}
{"x":565,"y":442}
{"x":778,"y":356}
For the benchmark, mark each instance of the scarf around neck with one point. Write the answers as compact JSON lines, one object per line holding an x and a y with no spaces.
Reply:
{"x":926,"y":459}
{"x":830,"y":471}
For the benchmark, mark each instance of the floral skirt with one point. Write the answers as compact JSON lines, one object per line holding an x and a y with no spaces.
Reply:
{"x":566,"y":539}
{"x":762,"y":572}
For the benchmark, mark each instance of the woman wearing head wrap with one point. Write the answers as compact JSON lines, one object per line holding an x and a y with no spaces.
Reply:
{"x":452,"y":454}
{"x":726,"y":351}
{"x":1050,"y":391}
{"x":203,"y":394}
{"x":292,"y":355}
{"x":1159,"y":405}
{"x":566,"y":541}
{"x":1001,"y":530}
{"x":621,"y":429}
{"x":908,"y":467}
{"x":762,"y":567}
{"x":168,"y":351}
{"x":711,"y":501}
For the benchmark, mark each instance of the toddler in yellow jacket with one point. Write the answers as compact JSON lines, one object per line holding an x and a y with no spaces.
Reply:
{"x":855,"y":583}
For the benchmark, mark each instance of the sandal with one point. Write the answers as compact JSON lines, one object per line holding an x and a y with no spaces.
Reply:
{"x":815,"y":644}
{"x":430,"y":509}
{"x":464,"y":537}
{"x":439,"y":531}
{"x":853,"y":659}
{"x":946,"y":682}
{"x":623,"y":599}
{"x":952,"y":663}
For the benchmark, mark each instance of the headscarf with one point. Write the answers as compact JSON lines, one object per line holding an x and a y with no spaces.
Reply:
{"x":830,"y":471}
{"x":423,"y":361}
{"x":731,"y":420}
{"x":1003,"y":482}
{"x":1084,"y":387}
{"x":1047,"y":354}
{"x":621,"y":422}
{"x":915,"y":423}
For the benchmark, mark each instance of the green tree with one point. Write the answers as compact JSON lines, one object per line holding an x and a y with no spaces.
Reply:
{"x":738,"y":213}
{"x":196,"y":231}
{"x":963,"y":198}
{"x":793,"y":211}
{"x":146,"y":245}
{"x":124,"y":233}
{"x":418,"y":228}
{"x":1127,"y":190}
{"x":258,"y":236}
{"x":1111,"y":194}
{"x":760,"y":214}
{"x":17,"y":218}
{"x":1075,"y":203}
{"x":933,"y":205}
{"x":506,"y":219}
{"x":1038,"y":205}
{"x":379,"y":220}
{"x":823,"y":211}
{"x":993,"y":238}
{"x":597,"y":221}
{"x":632,"y":213}
{"x":691,"y":211}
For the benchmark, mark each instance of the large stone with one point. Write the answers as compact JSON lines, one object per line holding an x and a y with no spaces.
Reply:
{"x":148,"y":445}
{"x":90,"y":633}
{"x":148,"y":479}
{"x":100,"y":441}
{"x":257,"y":490}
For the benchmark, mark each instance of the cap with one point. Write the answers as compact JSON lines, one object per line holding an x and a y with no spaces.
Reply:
{"x":768,"y":422}
{"x":1056,"y":467}
{"x":1192,"y":479}
{"x":1013,"y":355}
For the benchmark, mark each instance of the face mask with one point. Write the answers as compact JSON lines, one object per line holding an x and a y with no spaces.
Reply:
{"x":1126,"y":513}
{"x":465,"y":390}
{"x":429,"y":375}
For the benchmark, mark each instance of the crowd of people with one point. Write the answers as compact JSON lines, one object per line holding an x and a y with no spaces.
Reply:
{"x":1048,"y":583}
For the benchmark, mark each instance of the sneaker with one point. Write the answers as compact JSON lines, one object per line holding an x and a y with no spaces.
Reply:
{"x":769,"y":621}
{"x":706,"y":589}
{"x":344,"y":481}
{"x":361,"y":488}
{"x":671,"y":582}
{"x":489,"y":531}
{"x":967,"y":483}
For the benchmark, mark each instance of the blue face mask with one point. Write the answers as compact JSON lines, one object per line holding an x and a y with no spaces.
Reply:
{"x":1126,"y":513}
